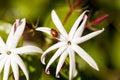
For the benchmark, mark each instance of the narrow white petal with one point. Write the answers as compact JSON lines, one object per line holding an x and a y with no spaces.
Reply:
{"x":58,"y":23}
{"x":76,"y":24}
{"x":54,"y":57}
{"x":2,"y":63}
{"x":2,"y":56}
{"x":17,"y":34}
{"x":10,"y":36}
{"x":72,"y":64}
{"x":22,"y":66}
{"x":44,"y":29}
{"x":61,"y":61}
{"x":48,"y":31}
{"x":14,"y":67}
{"x":27,"y":49}
{"x":85,"y":56}
{"x":2,"y":45}
{"x":80,"y":30}
{"x":87,"y":37}
{"x":6,"y":69}
{"x":55,"y":46}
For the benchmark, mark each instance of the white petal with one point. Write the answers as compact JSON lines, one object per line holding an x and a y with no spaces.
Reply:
{"x":2,"y":56}
{"x":44,"y":29}
{"x":61,"y":61}
{"x":55,"y":46}
{"x":72,"y":64}
{"x":27,"y":49}
{"x":58,"y":23}
{"x":87,"y":37}
{"x":14,"y":67}
{"x":61,"y":38}
{"x":22,"y":66}
{"x":2,"y":45}
{"x":48,"y":31}
{"x":76,"y":25}
{"x":54,"y":57}
{"x":17,"y":34}
{"x":10,"y":36}
{"x":2,"y":63}
{"x":80,"y":30}
{"x":6,"y":69}
{"x":85,"y":56}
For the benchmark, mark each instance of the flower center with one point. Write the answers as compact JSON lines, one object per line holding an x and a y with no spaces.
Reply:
{"x":8,"y":52}
{"x":69,"y":43}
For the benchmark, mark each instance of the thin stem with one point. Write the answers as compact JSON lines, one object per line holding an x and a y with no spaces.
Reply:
{"x":76,"y":4}
{"x":71,"y":10}
{"x":69,"y":3}
{"x":67,"y":16}
{"x":13,"y":77}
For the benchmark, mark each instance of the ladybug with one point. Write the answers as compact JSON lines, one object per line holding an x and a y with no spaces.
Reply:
{"x":54,"y":33}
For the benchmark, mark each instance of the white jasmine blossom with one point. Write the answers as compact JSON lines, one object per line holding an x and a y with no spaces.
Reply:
{"x":9,"y":54}
{"x":68,"y":44}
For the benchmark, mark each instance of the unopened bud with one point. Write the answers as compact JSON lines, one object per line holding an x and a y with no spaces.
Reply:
{"x":99,"y":19}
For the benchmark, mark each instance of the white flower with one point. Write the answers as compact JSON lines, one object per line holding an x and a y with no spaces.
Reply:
{"x":68,"y":44}
{"x":9,"y":54}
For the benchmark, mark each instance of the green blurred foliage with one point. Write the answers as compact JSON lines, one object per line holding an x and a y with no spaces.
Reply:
{"x":104,"y":49}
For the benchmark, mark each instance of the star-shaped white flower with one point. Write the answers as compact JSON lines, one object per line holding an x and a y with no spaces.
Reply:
{"x":68,"y":43}
{"x":9,"y":54}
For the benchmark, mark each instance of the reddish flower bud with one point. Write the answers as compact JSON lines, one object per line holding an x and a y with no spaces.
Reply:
{"x":99,"y":19}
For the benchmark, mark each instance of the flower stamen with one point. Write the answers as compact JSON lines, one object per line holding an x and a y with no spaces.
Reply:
{"x":69,"y":43}
{"x":8,"y":52}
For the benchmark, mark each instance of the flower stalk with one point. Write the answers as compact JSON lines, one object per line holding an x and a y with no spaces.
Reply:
{"x":96,"y":21}
{"x":99,"y":19}
{"x":71,"y":10}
